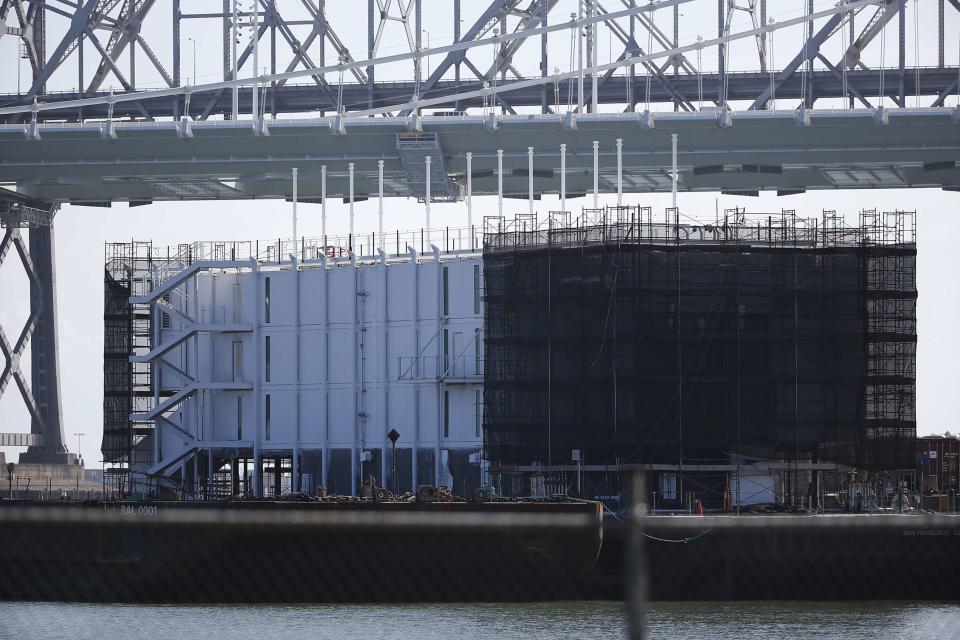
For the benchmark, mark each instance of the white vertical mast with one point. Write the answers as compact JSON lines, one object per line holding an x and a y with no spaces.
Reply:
{"x":530,"y":178}
{"x":426,"y":200}
{"x":233,"y":61}
{"x":295,"y":171}
{"x":500,"y":182}
{"x":256,"y":69}
{"x":673,"y":189}
{"x":596,"y":174}
{"x":619,"y":172}
{"x":350,"y":171}
{"x":323,"y":203}
{"x":380,"y":208}
{"x":563,"y":177}
{"x":470,"y":191}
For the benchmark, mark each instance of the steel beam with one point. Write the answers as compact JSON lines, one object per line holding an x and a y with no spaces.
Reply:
{"x":304,"y":99}
{"x":633,"y":49}
{"x":125,"y":34}
{"x":838,"y":74}
{"x":78,"y":25}
{"x":456,"y":57}
{"x":883,"y":15}
{"x":806,"y":54}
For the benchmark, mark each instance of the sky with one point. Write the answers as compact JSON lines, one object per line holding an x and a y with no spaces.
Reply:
{"x":81,"y":232}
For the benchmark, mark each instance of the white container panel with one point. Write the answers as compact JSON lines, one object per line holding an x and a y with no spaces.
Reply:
{"x":312,"y":299}
{"x":342,"y":298}
{"x":312,"y":416}
{"x":342,"y":354}
{"x":401,"y":281}
{"x":312,"y":347}
{"x":342,"y":417}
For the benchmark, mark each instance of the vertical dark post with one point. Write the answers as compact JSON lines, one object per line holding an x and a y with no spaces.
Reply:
{"x":43,"y":352}
{"x":456,"y":37}
{"x":133,"y":50}
{"x":273,"y":57}
{"x":721,"y":54}
{"x":676,"y":212}
{"x":80,"y":91}
{"x":503,"y":72}
{"x":903,"y":52}
{"x":545,"y":100}
{"x":370,"y":68}
{"x":850,"y":40}
{"x":206,"y":476}
{"x":763,"y":36}
{"x":633,"y":68}
{"x":40,"y":41}
{"x":815,"y":486}
{"x":277,"y":476}
{"x":808,"y":99}
{"x":322,"y":17}
{"x":676,"y":43}
{"x":940,"y":42}
{"x":176,"y":44}
{"x":235,"y":469}
{"x":226,"y":39}
{"x":638,"y":579}
{"x":418,"y":64}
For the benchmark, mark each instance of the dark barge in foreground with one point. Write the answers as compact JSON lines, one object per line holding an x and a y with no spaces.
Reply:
{"x":349,"y":551}
{"x":872,"y":556}
{"x":317,"y":551}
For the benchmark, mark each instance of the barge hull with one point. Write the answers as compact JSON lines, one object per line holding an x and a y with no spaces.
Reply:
{"x":151,"y":554}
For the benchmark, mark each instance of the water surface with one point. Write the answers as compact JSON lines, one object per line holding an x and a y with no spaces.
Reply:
{"x":673,"y":621}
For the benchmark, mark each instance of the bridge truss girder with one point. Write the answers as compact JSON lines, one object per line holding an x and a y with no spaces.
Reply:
{"x":862,"y":85}
{"x":114,"y":32}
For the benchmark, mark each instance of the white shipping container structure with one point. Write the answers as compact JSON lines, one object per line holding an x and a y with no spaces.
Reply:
{"x":287,"y":375}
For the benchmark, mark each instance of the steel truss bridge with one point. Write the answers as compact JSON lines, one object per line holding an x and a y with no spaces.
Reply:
{"x":830,"y":117}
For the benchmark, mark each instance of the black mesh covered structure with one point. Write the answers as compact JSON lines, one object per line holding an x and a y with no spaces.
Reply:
{"x":127,"y":330}
{"x":117,"y":379}
{"x":755,"y":337}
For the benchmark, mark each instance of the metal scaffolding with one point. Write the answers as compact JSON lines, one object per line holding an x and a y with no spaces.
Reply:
{"x":693,"y":345}
{"x":127,"y":385}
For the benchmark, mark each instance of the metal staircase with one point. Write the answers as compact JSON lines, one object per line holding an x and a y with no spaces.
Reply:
{"x":414,"y":147}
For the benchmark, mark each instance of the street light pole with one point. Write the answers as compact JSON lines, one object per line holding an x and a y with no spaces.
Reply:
{"x":428,"y":50}
{"x":255,"y":110}
{"x":79,"y":435}
{"x":233,"y":60}
{"x":393,"y":436}
{"x":193,"y":80}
